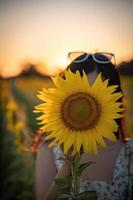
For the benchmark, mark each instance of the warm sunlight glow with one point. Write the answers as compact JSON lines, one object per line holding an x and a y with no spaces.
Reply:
{"x":45,"y":31}
{"x":57,"y":61}
{"x":11,"y":71}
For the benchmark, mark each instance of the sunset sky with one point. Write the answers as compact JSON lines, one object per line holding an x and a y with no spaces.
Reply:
{"x":44,"y":31}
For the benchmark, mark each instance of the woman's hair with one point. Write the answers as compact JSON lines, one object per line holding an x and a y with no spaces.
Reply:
{"x":108,"y":72}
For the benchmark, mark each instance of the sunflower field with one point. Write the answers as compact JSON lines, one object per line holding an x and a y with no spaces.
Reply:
{"x":127,"y":86}
{"x":19,"y":131}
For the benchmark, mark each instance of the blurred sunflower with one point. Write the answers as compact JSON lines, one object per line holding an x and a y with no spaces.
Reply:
{"x":79,"y":115}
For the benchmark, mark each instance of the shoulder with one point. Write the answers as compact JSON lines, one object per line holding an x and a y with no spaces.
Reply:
{"x":128,"y":145}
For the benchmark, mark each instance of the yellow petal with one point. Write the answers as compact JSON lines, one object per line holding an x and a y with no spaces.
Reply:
{"x":60,"y":131}
{"x":78,"y":141}
{"x":69,"y":142}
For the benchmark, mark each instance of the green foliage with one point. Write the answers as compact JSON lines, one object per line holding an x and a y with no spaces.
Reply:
{"x":83,"y":166}
{"x":126,"y":68}
{"x":61,"y":158}
{"x":70,"y":185}
{"x":64,"y":182}
{"x":64,"y":195}
{"x":87,"y":195}
{"x":16,"y":176}
{"x":22,"y":99}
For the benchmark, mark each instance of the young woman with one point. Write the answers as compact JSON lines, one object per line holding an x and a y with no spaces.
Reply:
{"x":112,"y":174}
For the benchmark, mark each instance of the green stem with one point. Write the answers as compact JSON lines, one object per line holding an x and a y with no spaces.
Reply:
{"x":75,"y":176}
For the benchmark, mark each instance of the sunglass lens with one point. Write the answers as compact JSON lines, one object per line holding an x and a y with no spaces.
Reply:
{"x":77,"y":56}
{"x":103,"y":57}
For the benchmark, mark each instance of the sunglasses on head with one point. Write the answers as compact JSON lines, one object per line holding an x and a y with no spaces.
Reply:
{"x":99,"y":57}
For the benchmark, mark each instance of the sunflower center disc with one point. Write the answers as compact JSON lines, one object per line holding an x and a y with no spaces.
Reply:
{"x":80,"y":111}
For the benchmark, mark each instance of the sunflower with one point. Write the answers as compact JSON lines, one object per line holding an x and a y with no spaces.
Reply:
{"x":77,"y":114}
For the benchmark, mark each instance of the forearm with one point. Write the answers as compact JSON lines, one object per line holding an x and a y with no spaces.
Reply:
{"x":45,"y":170}
{"x":54,"y":190}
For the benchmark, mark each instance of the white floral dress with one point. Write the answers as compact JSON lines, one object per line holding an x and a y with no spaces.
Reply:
{"x":121,"y":187}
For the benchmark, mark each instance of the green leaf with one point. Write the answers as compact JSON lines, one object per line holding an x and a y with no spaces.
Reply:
{"x":63,"y":182}
{"x":64,"y":195}
{"x":61,"y":158}
{"x":88,"y":195}
{"x":83,"y":166}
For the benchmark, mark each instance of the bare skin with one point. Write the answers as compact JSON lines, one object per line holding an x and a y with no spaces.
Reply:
{"x":46,"y":170}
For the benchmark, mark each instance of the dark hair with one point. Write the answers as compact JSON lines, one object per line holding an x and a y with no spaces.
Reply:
{"x":108,"y":72}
